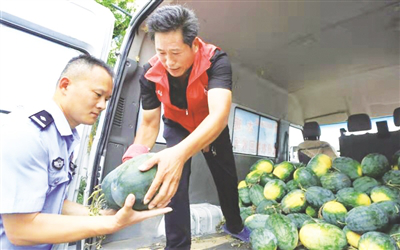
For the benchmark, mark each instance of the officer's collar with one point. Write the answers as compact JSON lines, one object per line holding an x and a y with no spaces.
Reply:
{"x":60,"y":120}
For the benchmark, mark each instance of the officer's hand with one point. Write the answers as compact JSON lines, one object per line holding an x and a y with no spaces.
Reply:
{"x":126,"y":216}
{"x":169,"y":172}
{"x":134,"y":150}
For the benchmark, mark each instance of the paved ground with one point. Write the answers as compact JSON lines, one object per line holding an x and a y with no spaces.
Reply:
{"x":218,"y":241}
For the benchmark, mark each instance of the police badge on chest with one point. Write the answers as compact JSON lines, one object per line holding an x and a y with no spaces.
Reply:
{"x":58,"y":163}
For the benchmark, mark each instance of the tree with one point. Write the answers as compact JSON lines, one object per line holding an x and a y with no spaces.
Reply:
{"x":122,"y":21}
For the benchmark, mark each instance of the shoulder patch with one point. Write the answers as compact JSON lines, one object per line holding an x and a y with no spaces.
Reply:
{"x":42,"y":119}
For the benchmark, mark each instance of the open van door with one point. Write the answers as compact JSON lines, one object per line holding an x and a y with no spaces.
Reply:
{"x":38,"y":38}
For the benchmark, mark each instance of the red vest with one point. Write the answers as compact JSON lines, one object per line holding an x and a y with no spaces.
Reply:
{"x":196,"y":92}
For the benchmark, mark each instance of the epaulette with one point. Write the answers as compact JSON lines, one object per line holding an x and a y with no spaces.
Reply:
{"x":42,"y":119}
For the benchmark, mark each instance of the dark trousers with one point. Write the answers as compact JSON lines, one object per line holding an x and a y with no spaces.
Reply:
{"x":221,"y":163}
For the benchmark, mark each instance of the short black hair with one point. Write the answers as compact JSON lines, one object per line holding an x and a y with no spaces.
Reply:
{"x":171,"y":18}
{"x":86,"y":61}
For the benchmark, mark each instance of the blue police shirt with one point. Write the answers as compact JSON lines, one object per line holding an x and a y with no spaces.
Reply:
{"x":36,"y":165}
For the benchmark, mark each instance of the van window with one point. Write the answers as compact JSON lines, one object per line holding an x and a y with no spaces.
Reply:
{"x":254,"y":134}
{"x":245,"y":132}
{"x":267,"y":137}
{"x":22,"y":81}
{"x":295,"y":138}
{"x":330,"y":133}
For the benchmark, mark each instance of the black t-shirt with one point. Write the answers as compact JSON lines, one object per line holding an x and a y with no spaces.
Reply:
{"x":219,"y":76}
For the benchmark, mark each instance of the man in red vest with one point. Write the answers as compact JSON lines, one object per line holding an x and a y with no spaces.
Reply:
{"x":193,"y":81}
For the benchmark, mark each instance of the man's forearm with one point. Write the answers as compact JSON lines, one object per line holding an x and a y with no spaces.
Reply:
{"x":72,"y":208}
{"x":146,"y":135}
{"x":210,"y":128}
{"x":33,"y":229}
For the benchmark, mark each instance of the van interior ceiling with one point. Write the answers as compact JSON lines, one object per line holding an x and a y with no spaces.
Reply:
{"x":325,"y":59}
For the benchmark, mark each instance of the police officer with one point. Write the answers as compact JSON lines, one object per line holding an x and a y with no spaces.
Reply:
{"x":193,"y":81}
{"x":36,"y":165}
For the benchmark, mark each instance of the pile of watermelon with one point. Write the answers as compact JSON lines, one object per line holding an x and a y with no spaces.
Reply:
{"x":326,"y":204}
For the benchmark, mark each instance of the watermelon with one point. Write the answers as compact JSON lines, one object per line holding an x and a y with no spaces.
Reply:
{"x":253,"y":177}
{"x":284,"y":230}
{"x":392,"y":178}
{"x":256,"y":194}
{"x":298,"y":219}
{"x":256,"y":221}
{"x":244,"y":193}
{"x":396,"y":160}
{"x":313,"y":221}
{"x":294,"y":202}
{"x":275,"y":190}
{"x":246,"y":212}
{"x":391,"y":208}
{"x":291,"y":185}
{"x":363,"y":219}
{"x":348,"y":166}
{"x":375,"y":165}
{"x":365,"y":184}
{"x":263,"y":239}
{"x":306,"y":178}
{"x":106,"y":188}
{"x":266,"y":177}
{"x":317,"y":196}
{"x":352,"y":237}
{"x":322,"y":236}
{"x":320,"y":164}
{"x":129,"y":179}
{"x":335,"y":181}
{"x":385,"y":193}
{"x":376,"y":240}
{"x":311,"y":211}
{"x":284,"y":170}
{"x":268,"y":207}
{"x":265,"y":165}
{"x":335,"y":213}
{"x":394,"y":232}
{"x":350,"y":198}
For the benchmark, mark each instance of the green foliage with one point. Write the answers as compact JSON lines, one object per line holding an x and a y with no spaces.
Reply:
{"x":121,"y":24}
{"x":82,"y":186}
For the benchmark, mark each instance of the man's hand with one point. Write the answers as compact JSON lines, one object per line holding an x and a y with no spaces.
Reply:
{"x":126,"y":216}
{"x":169,"y":172}
{"x":134,"y":150}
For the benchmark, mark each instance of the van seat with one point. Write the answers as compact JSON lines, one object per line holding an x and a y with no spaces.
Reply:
{"x":383,"y":129}
{"x":396,"y":116}
{"x":312,"y":145}
{"x":311,"y":130}
{"x":358,"y":122}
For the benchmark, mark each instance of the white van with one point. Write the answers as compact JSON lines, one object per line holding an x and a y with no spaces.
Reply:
{"x":293,"y":62}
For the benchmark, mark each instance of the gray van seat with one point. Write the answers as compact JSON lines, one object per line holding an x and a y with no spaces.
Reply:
{"x":358,"y":146}
{"x":396,"y":117}
{"x":312,"y":145}
{"x":358,"y":122}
